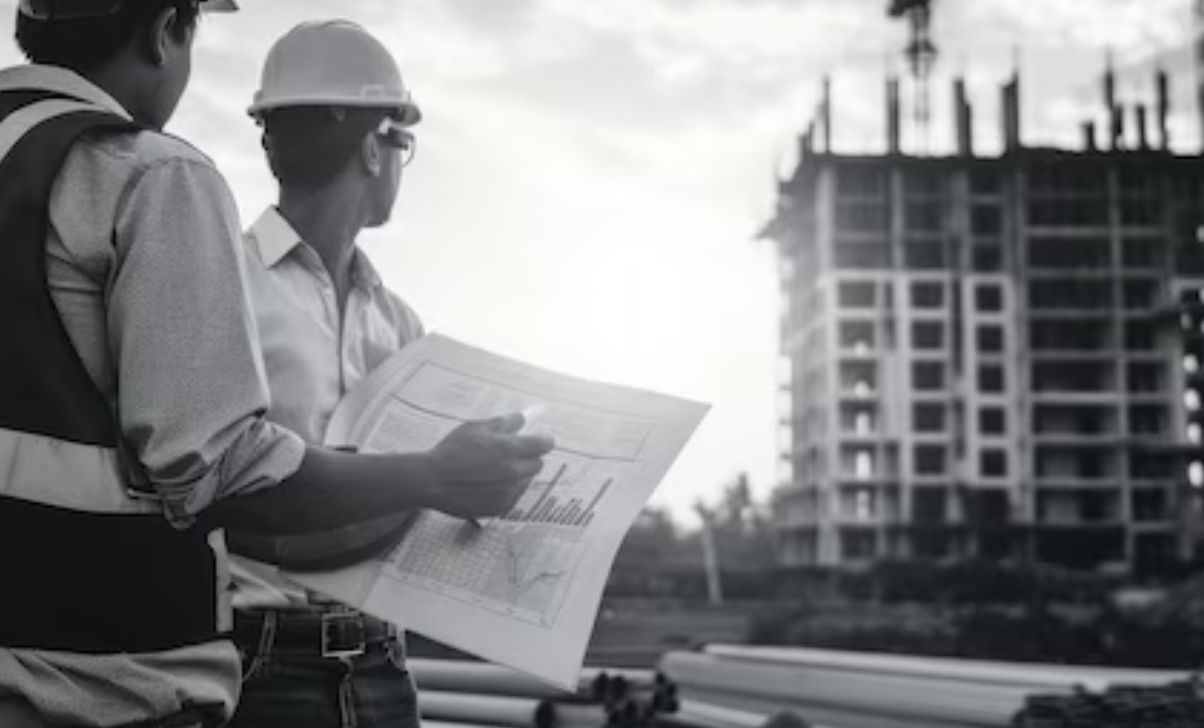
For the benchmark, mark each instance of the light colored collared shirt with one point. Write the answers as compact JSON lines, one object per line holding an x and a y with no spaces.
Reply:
{"x":145,"y":266}
{"x":313,"y":356}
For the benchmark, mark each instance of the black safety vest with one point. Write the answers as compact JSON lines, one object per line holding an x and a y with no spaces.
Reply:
{"x":81,"y":570}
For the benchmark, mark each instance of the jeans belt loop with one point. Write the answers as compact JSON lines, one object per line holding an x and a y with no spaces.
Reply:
{"x":267,"y":634}
{"x":332,"y":620}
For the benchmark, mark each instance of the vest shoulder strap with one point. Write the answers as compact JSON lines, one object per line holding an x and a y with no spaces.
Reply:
{"x":45,"y":389}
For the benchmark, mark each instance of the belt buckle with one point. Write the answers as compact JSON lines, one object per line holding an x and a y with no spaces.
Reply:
{"x":331,"y":646}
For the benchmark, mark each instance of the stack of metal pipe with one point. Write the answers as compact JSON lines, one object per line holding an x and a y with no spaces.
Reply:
{"x":1176,"y":705}
{"x":459,"y":694}
{"x":728,"y":686}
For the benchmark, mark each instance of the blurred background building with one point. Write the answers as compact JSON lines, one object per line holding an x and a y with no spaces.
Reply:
{"x":991,"y":355}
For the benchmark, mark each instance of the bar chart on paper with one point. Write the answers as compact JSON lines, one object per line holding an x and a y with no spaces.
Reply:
{"x":565,"y":498}
{"x":519,"y":564}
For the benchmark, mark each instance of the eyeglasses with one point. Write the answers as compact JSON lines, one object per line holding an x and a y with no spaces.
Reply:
{"x":392,"y":133}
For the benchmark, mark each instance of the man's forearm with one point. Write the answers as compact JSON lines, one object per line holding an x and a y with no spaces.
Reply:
{"x":332,"y":490}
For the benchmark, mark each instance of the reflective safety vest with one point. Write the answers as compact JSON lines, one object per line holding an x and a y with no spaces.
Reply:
{"x":86,"y":566}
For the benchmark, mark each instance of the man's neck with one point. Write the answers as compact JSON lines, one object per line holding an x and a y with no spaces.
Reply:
{"x":125,"y":82}
{"x":115,"y":85}
{"x":328,"y":225}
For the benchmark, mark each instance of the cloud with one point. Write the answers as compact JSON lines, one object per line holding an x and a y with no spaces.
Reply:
{"x":1129,"y":26}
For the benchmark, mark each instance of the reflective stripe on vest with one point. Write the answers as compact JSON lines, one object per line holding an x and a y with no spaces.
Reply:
{"x":22,"y":121}
{"x":45,"y":470}
{"x":84,"y":567}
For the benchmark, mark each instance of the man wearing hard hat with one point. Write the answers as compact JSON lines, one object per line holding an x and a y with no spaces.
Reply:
{"x":132,"y":393}
{"x":335,"y":116}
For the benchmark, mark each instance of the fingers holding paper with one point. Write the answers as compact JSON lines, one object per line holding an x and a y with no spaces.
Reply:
{"x":481,"y":468}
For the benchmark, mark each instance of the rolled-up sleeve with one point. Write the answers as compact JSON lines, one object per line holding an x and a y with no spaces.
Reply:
{"x":184,"y":344}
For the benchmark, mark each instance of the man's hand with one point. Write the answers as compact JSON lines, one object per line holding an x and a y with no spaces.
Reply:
{"x":481,"y":468}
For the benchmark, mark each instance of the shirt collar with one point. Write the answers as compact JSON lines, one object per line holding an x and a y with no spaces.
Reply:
{"x":276,"y":239}
{"x":62,"y":81}
{"x":363,"y":272}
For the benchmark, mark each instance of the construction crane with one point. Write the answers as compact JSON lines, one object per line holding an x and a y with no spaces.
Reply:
{"x":921,"y":56}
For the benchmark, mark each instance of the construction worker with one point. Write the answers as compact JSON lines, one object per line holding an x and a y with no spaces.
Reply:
{"x":132,"y":395}
{"x":336,"y":120}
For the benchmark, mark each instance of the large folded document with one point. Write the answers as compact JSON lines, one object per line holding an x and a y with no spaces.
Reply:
{"x":521,"y":589}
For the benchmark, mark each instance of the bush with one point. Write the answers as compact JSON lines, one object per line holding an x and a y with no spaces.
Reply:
{"x":1019,"y":634}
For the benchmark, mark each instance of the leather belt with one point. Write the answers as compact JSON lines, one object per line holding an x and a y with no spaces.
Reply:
{"x":333,"y":634}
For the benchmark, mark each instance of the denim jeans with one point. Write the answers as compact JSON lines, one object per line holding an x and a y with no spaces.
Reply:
{"x":286,"y":691}
{"x":15,"y":713}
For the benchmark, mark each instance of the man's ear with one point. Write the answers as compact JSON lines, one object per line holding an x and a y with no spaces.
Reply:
{"x":159,"y":34}
{"x":371,"y":155}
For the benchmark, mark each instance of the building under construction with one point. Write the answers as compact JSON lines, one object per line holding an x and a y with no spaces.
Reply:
{"x":992,"y":356}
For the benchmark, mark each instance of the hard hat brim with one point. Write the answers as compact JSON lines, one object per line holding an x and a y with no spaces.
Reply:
{"x":408,"y":113}
{"x":219,"y":6}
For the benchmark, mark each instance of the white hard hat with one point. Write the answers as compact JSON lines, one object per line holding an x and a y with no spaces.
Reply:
{"x":332,"y":63}
{"x":74,"y":9}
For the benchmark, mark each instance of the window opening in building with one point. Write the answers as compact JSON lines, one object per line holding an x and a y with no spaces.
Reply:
{"x":991,"y":378}
{"x":864,"y":505}
{"x":1069,"y":255}
{"x":986,"y":220}
{"x":863,"y":465}
{"x":861,"y":181}
{"x":930,"y":459}
{"x":989,"y":339}
{"x":1149,"y":505}
{"x":924,"y":217}
{"x":928,"y":376}
{"x":925,"y":254}
{"x":1140,"y":294}
{"x":861,"y":255}
{"x":856,"y":294}
{"x":927,"y":294}
{"x":984,"y":182}
{"x":858,"y":544}
{"x":1143,"y":253}
{"x":928,"y":335}
{"x":857,"y":216}
{"x":857,"y":334}
{"x":928,"y":417}
{"x":1195,"y":474}
{"x":1139,"y":336}
{"x":988,"y":297}
{"x":928,"y":505}
{"x":988,"y":258}
{"x":992,"y":421}
{"x":993,"y":463}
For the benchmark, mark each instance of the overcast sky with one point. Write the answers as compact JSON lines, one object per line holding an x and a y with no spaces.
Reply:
{"x":591,"y":173}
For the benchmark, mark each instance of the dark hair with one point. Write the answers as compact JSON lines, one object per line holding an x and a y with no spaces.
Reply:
{"x":83,"y":44}
{"x":308,"y":145}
